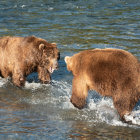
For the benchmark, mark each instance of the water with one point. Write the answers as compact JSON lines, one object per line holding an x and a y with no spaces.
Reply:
{"x":44,"y":111}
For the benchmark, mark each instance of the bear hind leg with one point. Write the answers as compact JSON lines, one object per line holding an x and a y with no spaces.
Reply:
{"x":125,"y":104}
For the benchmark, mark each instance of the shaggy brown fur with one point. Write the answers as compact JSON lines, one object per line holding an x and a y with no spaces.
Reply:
{"x":111,"y":72}
{"x":20,"y":56}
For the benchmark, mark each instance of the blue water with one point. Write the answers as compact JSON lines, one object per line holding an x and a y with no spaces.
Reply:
{"x":45,"y":111}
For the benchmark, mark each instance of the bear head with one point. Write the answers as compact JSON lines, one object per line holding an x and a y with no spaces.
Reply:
{"x":73,"y":63}
{"x":49,"y":56}
{"x":46,"y":54}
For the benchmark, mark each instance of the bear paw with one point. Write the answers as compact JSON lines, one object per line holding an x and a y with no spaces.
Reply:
{"x":78,"y":102}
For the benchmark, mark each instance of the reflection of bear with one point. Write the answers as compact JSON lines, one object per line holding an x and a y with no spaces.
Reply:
{"x":19,"y":56}
{"x":111,"y":72}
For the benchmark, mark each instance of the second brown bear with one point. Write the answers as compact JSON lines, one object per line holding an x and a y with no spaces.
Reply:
{"x":111,"y":72}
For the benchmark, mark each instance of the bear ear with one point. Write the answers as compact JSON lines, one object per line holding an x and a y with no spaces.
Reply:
{"x":67,"y":58}
{"x":41,"y":46}
{"x":54,"y":44}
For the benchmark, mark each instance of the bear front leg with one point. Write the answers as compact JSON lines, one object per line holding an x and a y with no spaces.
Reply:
{"x":44,"y":75}
{"x":18,"y":78}
{"x":79,"y":92}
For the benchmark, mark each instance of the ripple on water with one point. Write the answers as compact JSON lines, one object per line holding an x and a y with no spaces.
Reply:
{"x":57,"y":97}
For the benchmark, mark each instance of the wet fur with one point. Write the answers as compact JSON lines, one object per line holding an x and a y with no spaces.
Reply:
{"x":21,"y":55}
{"x":111,"y":72}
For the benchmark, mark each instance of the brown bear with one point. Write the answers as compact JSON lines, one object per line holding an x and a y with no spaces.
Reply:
{"x":110,"y":72}
{"x":20,"y":56}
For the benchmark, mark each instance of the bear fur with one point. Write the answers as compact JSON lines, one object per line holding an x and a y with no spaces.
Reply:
{"x":110,"y":72}
{"x":20,"y":56}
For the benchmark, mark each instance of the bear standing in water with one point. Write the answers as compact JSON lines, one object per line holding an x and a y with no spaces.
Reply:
{"x":110,"y":72}
{"x":19,"y":56}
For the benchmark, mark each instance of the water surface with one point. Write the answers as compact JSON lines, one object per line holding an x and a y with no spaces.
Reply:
{"x":44,"y":111}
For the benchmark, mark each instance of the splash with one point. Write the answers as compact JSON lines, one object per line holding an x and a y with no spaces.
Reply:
{"x":106,"y":112}
{"x":32,"y":86}
{"x":3,"y":81}
{"x":56,"y":96}
{"x":56,"y":93}
{"x":99,"y":109}
{"x":134,"y":117}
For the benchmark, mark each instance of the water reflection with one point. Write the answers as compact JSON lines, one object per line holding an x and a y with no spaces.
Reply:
{"x":84,"y":131}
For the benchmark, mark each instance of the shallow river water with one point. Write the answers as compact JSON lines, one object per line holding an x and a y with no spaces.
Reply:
{"x":44,"y":112}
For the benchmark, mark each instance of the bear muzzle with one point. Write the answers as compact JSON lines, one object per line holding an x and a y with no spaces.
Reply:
{"x":53,"y":67}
